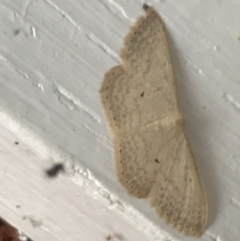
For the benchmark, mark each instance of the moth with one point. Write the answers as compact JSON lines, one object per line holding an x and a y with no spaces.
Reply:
{"x":152,"y":154}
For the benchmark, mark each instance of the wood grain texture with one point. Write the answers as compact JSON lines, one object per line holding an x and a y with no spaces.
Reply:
{"x":7,"y":232}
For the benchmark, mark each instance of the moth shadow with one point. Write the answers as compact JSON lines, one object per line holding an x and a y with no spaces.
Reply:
{"x":197,"y":129}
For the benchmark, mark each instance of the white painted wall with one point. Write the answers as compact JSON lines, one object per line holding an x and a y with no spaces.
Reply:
{"x":53,"y":55}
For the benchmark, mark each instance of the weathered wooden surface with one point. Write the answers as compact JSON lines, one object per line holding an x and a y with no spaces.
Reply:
{"x":53,"y":55}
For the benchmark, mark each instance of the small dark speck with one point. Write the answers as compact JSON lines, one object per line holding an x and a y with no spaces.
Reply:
{"x":54,"y":170}
{"x":16,"y":143}
{"x":142,"y":94}
{"x":16,"y":32}
{"x":156,"y":160}
{"x":145,"y":6}
{"x":109,"y":237}
{"x":18,"y":206}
